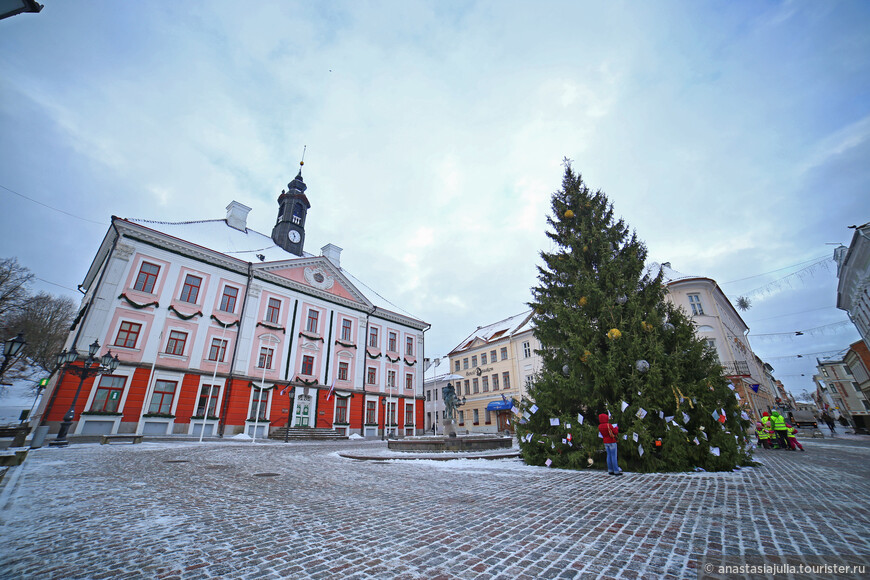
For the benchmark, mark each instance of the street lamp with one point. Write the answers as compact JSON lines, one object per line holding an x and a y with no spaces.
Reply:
{"x":11,"y":348}
{"x":12,"y":7}
{"x":107,"y":363}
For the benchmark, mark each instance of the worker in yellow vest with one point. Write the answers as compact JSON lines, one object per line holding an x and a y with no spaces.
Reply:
{"x":763,"y":436}
{"x":780,"y":429}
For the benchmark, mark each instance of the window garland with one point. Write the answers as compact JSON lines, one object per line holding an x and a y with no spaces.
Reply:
{"x":272,"y":327}
{"x":136,"y":304}
{"x":345,"y":344}
{"x":371,"y":356}
{"x":305,"y":382}
{"x":311,"y":336}
{"x":410,"y":364}
{"x":218,"y":320}
{"x":183,"y":316}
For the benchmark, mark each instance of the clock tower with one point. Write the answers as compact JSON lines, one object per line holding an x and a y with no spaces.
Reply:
{"x":293,"y":206}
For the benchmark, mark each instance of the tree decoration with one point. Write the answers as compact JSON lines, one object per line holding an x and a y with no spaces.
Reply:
{"x":583,"y":301}
{"x":566,"y":370}
{"x":743,"y":303}
{"x":569,"y":214}
{"x":592,"y":336}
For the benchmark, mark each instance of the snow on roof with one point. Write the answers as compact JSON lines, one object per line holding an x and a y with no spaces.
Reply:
{"x":497,"y":330}
{"x":248,"y":246}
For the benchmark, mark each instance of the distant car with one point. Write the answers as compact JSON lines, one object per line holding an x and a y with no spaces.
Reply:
{"x":802,"y":419}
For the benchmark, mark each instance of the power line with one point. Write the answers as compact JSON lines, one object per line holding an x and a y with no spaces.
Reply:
{"x":789,"y":314}
{"x":800,"y":332}
{"x":819,"y":259}
{"x":52,"y":207}
{"x":55,"y":284}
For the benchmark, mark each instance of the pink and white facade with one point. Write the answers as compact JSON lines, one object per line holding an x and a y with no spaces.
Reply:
{"x":223,"y":330}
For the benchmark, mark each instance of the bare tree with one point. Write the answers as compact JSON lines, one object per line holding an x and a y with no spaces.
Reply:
{"x":44,"y":319}
{"x":14,"y":279}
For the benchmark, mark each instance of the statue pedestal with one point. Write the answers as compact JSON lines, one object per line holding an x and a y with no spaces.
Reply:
{"x":450,"y":428}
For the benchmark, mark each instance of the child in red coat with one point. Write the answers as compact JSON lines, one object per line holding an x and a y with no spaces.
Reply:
{"x":609,"y":433}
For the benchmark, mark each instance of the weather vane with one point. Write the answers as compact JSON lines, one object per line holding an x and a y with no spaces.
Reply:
{"x":302,"y":162}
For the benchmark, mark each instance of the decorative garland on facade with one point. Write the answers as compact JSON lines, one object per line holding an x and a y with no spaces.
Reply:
{"x":345,"y":344}
{"x":395,"y":360}
{"x":136,"y":304}
{"x":311,"y":336}
{"x":252,"y":420}
{"x":199,"y":418}
{"x":255,"y":386}
{"x":272,"y":327}
{"x":103,"y":413}
{"x":305,"y":382}
{"x":158,"y":416}
{"x":218,"y":320}
{"x":371,"y":356}
{"x":182,"y":315}
{"x":410,"y":364}
{"x":343,"y":395}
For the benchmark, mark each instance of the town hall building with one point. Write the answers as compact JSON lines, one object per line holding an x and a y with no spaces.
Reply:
{"x":222,"y":330}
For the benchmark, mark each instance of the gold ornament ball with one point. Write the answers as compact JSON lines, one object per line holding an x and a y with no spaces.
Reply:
{"x":582,"y":301}
{"x":569,"y":214}
{"x":613,"y":334}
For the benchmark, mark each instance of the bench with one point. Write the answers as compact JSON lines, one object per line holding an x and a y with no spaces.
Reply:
{"x":131,"y":438}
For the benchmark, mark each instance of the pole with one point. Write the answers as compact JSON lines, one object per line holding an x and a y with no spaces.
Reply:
{"x":213,"y":378}
{"x":262,"y":386}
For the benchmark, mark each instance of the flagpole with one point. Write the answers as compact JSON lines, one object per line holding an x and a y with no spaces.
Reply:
{"x":213,"y":377}
{"x":148,"y":387}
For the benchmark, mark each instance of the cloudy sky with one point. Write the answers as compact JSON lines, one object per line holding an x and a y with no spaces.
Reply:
{"x":733,"y":136}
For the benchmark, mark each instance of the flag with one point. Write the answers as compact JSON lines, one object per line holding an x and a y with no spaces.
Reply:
{"x":331,"y":390}
{"x":754,"y":387}
{"x":284,"y":390}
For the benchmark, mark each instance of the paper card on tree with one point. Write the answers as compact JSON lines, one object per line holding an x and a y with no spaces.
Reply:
{"x":552,"y":445}
{"x":640,"y":450}
{"x":731,"y":386}
{"x":624,"y":406}
{"x":564,"y":441}
{"x":534,"y":409}
{"x":515,"y":410}
{"x":570,"y":444}
{"x":567,"y":425}
{"x":641,"y":413}
{"x":625,"y":437}
{"x":600,"y":435}
{"x":554,"y":422}
{"x":704,"y":433}
{"x":696,"y":441}
{"x":569,"y":437}
{"x":548,"y":462}
{"x":580,"y":419}
{"x":744,"y":416}
{"x":714,"y":451}
{"x":715,"y":415}
{"x":634,"y":436}
{"x":527,"y":415}
{"x":523,"y":421}
{"x":685,"y":418}
{"x":669,"y":419}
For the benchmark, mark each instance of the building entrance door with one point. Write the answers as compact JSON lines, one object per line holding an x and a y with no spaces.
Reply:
{"x":303,"y":410}
{"x":504,"y":421}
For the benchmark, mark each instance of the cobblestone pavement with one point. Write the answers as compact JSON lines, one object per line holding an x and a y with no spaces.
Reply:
{"x":188,"y":510}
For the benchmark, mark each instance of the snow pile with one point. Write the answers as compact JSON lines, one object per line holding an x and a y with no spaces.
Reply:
{"x":355,"y":436}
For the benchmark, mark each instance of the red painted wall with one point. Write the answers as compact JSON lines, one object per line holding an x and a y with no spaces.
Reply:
{"x":136,"y":396}
{"x":65,"y":393}
{"x":187,"y":398}
{"x":357,"y":410}
{"x":240,"y":394}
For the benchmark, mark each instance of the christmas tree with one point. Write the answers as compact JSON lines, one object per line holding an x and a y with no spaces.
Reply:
{"x":611,"y":343}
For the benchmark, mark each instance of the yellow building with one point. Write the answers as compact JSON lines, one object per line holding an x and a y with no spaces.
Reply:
{"x":496,"y":362}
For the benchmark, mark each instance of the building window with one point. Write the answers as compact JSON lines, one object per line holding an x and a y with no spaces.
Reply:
{"x":527,"y":349}
{"x":176,"y":343}
{"x":462,"y":417}
{"x":435,"y":393}
{"x":487,"y":417}
{"x":429,"y":395}
{"x":476,"y":416}
{"x":475,"y":386}
{"x":311,"y":325}
{"x":208,"y":396}
{"x":343,"y":368}
{"x":504,"y":354}
{"x":392,"y":342}
{"x":259,"y":404}
{"x":190,"y":290}
{"x":506,"y":380}
{"x":483,"y":358}
{"x":474,"y":361}
{"x":265,"y":361}
{"x":467,"y":388}
{"x":373,"y":337}
{"x":484,"y":383}
{"x":409,"y":381}
{"x":371,"y":413}
{"x":371,"y":376}
{"x":456,"y":365}
{"x":409,"y":346}
{"x":108,"y":395}
{"x":307,"y":365}
{"x":391,"y":379}
{"x":273,"y":310}
{"x":409,"y":413}
{"x":128,"y":334}
{"x":218,"y":350}
{"x":340,"y":410}
{"x":492,"y":357}
{"x":465,"y":363}
{"x":161,"y":400}
{"x":695,"y":303}
{"x":147,"y":277}
{"x":346,"y":329}
{"x":228,"y":300}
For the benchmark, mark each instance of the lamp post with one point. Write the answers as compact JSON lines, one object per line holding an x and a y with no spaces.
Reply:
{"x":106,"y":363}
{"x":11,"y":349}
{"x":12,"y":7}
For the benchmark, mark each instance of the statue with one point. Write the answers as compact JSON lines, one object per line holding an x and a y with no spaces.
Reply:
{"x":451,"y":403}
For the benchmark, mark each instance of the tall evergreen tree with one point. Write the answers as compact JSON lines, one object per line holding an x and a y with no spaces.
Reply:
{"x":611,"y":343}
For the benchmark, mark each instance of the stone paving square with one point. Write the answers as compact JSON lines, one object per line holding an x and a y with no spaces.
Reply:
{"x":271,"y":510}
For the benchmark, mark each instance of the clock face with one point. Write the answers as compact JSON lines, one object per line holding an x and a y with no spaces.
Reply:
{"x":294,"y":236}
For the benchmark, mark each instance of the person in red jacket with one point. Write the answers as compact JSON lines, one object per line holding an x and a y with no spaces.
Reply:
{"x":609,"y":433}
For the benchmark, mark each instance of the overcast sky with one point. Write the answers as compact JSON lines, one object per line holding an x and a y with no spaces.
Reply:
{"x":732,"y":136}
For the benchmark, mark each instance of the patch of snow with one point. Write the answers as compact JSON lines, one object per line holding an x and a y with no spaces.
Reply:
{"x":244,"y":436}
{"x":355,"y":436}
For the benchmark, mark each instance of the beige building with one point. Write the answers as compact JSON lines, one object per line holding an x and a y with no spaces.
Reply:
{"x":839,"y":393}
{"x":718,"y":323}
{"x":495,"y":363}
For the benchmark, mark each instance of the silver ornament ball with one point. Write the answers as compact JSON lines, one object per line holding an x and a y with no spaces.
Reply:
{"x":642,"y":366}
